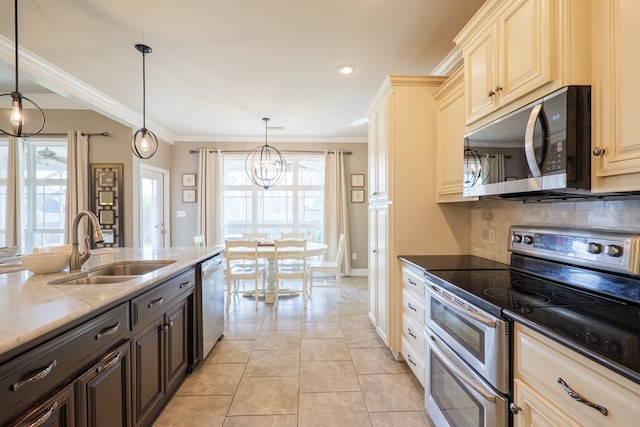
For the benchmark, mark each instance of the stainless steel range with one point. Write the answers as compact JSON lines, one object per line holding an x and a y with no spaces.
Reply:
{"x":580,"y":285}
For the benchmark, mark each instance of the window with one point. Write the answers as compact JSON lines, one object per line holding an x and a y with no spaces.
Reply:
{"x":44,"y":197}
{"x":294,"y":205}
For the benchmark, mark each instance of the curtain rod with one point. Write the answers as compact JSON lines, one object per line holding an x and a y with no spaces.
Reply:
{"x":348,"y":153}
{"x":83,"y":134}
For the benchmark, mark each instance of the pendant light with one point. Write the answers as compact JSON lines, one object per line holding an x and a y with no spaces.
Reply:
{"x":265,"y":165}
{"x":144,"y":143}
{"x":16,"y":119}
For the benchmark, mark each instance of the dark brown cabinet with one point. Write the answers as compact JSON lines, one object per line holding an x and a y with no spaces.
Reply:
{"x":104,"y":391}
{"x":58,"y":410}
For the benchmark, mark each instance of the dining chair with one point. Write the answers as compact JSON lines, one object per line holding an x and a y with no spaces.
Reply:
{"x":331,"y":267}
{"x":198,"y":241}
{"x":242,"y":264}
{"x":290,"y":263}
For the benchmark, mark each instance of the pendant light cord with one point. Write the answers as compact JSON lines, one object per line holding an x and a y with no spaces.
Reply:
{"x":15,"y":17}
{"x":144,"y":92}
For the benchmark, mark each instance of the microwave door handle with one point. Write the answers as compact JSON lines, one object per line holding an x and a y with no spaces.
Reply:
{"x":529,"y":149}
{"x":464,"y":312}
{"x":458,"y":369}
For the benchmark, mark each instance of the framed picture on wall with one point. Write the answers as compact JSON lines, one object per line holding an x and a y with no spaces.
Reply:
{"x":357,"y":180}
{"x":188,"y":179}
{"x":357,"y":196}
{"x":188,"y":196}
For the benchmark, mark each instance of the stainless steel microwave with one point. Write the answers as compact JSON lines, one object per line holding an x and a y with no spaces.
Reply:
{"x":540,"y":150}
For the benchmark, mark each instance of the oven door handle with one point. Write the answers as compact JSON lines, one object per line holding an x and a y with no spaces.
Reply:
{"x":464,"y":311}
{"x":457,"y":368}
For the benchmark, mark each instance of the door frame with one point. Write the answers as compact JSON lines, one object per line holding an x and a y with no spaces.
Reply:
{"x":137,"y":207}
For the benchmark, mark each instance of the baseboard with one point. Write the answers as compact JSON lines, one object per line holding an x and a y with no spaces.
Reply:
{"x":359,"y":272}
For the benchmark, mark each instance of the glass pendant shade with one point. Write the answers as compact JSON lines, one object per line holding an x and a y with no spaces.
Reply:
{"x":17,"y":106}
{"x":144,"y":143}
{"x":265,"y":165}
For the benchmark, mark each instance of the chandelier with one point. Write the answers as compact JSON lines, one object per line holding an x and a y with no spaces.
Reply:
{"x":144,"y":143}
{"x":265,"y":165}
{"x":17,"y":99}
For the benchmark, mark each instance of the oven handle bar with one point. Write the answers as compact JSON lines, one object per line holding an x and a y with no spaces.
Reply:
{"x":457,"y":368}
{"x":463,"y":310}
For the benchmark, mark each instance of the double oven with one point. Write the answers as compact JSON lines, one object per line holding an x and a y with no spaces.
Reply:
{"x":579,"y":285}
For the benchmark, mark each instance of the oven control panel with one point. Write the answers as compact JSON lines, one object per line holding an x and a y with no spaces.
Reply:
{"x":600,"y":249}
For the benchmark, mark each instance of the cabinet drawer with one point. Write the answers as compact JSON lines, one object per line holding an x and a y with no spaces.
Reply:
{"x":540,"y":362}
{"x":58,"y":410}
{"x":413,"y":306}
{"x":36,"y":373}
{"x":152,"y":304}
{"x":414,"y":359}
{"x":413,"y":332}
{"x":413,"y":278}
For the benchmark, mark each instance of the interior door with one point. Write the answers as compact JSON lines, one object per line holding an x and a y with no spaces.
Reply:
{"x":153,"y":210}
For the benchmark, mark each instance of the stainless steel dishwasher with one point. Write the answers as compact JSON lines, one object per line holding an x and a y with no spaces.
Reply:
{"x":211,"y":303}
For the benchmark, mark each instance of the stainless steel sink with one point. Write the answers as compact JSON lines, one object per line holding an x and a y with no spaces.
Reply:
{"x":130,"y":268}
{"x":96,"y":280}
{"x":115,"y":273}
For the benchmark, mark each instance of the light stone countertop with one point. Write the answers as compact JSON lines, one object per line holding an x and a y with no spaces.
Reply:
{"x":30,"y":307}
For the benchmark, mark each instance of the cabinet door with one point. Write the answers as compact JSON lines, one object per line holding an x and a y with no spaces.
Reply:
{"x":480,"y":64}
{"x":59,"y":410}
{"x":373,"y":261}
{"x":104,"y":391}
{"x":450,"y":120}
{"x":382,"y":292}
{"x":148,"y":361}
{"x":177,"y":327}
{"x":615,"y":98}
{"x":377,"y":150}
{"x":525,"y":30}
{"x":535,"y":411}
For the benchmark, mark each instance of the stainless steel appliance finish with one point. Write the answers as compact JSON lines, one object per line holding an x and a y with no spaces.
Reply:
{"x":212,"y":303}
{"x":540,"y":150}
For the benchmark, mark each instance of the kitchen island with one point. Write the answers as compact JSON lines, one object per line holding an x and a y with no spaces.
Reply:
{"x":71,"y":333}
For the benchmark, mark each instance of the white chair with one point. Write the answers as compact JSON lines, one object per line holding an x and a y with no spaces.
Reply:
{"x":198,"y":241}
{"x":290,"y":262}
{"x":293,"y":236}
{"x":242,"y":264}
{"x":261,"y":237}
{"x":331,"y":267}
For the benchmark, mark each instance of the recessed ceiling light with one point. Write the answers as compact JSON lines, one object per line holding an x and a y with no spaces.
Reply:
{"x":346,"y":69}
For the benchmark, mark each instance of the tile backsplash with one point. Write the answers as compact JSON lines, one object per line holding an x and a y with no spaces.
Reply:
{"x":491,"y":219}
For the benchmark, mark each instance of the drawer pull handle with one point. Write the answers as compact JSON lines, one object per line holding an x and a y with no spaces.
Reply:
{"x":410,"y":332}
{"x":156,"y":302}
{"x":108,"y":364}
{"x":411,"y":307}
{"x":411,"y":282}
{"x":43,"y":419}
{"x":112,"y":330}
{"x":575,"y":396}
{"x":185,"y":284}
{"x":40,"y":375}
{"x":411,"y":361}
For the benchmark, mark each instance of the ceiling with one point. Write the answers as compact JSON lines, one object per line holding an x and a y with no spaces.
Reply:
{"x":219,"y":66}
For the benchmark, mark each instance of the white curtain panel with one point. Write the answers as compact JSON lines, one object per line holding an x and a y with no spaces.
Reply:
{"x":336,"y":208}
{"x":77,"y":184}
{"x":15,"y":190}
{"x":210,"y":196}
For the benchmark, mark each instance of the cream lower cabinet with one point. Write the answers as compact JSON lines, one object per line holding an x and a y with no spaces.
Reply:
{"x":616,"y":90}
{"x":408,"y":220}
{"x":516,"y":51}
{"x":413,"y":319}
{"x":543,"y":368}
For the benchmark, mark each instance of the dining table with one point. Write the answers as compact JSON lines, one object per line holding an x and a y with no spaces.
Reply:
{"x":266,"y":251}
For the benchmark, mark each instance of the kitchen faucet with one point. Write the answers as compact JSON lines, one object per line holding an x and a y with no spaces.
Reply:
{"x":77,"y":258}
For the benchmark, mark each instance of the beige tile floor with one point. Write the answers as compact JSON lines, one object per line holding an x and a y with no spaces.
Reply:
{"x":320,"y":366}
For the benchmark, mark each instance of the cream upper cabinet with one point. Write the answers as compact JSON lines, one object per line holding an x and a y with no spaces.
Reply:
{"x":516,"y":51}
{"x":550,"y":379}
{"x":378,"y":137}
{"x":616,"y":91}
{"x":450,"y":120}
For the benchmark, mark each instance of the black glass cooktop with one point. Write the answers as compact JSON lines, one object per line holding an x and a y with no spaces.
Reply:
{"x":453,"y":262}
